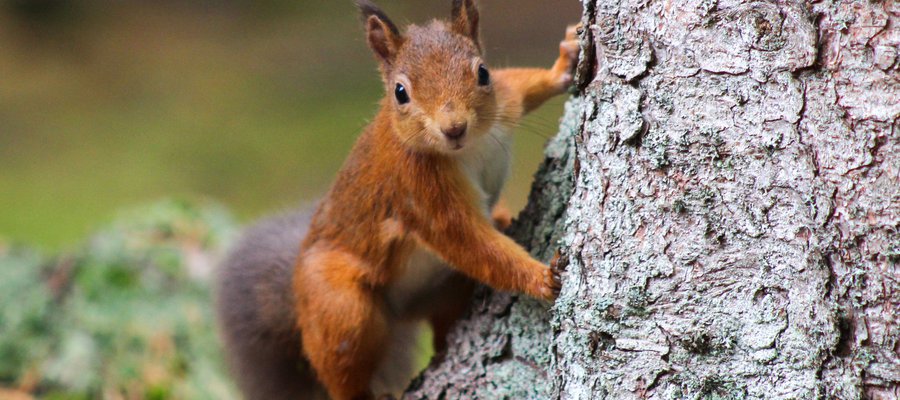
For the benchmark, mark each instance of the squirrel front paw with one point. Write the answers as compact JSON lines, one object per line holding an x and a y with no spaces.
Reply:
{"x":569,"y":49}
{"x":549,"y":283}
{"x":552,"y":283}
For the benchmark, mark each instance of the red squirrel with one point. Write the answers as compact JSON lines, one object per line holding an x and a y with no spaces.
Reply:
{"x":321,"y":304}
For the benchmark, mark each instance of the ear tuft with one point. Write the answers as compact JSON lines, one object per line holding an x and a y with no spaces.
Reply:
{"x":368,"y":9}
{"x":383,"y":36}
{"x":465,"y":20}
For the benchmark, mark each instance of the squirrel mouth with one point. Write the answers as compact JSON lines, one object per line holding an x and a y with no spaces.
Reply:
{"x":455,"y":144}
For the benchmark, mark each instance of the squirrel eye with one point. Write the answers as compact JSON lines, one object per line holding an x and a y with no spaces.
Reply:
{"x":400,"y":93}
{"x":484,"y":77}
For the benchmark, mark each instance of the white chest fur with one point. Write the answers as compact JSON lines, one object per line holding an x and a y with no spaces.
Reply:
{"x":486,"y":165}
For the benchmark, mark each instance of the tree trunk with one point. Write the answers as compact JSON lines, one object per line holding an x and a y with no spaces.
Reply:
{"x":725,"y":197}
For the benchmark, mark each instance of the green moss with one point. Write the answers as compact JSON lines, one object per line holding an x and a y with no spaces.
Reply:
{"x":706,"y":388}
{"x":26,"y":311}
{"x":715,"y":388}
{"x":637,"y":300}
{"x":128,"y":313}
{"x":679,"y":206}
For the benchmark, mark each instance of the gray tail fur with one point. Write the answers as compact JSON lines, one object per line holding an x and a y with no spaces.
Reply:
{"x":255,"y":309}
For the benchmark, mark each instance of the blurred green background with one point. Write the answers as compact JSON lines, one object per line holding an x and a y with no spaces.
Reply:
{"x":109,"y":110}
{"x":105,"y":104}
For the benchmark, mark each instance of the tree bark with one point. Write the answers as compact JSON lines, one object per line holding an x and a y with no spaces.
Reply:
{"x":724,"y":194}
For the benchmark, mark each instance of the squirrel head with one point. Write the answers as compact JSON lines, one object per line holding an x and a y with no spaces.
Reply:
{"x":439,"y":90}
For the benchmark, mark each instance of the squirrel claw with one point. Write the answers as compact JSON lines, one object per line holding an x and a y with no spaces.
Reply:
{"x":556,"y":273}
{"x":549,"y":285}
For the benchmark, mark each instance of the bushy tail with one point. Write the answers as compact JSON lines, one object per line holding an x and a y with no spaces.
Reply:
{"x":255,"y":308}
{"x":255,"y":311}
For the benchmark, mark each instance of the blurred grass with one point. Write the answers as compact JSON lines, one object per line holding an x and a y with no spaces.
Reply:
{"x":107,"y":104}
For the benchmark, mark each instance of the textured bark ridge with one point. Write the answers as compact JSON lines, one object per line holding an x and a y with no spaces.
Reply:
{"x":725,"y":195}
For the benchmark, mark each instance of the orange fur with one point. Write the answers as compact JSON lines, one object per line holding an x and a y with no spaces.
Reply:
{"x":501,"y":215}
{"x":403,"y":187}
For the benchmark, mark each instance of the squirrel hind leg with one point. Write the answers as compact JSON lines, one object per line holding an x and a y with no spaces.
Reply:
{"x":343,"y":323}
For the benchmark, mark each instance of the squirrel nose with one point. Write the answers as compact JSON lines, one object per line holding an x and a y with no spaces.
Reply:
{"x":455,"y":131}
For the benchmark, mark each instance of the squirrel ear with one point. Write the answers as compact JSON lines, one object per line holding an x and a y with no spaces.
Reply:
{"x":383,"y":36}
{"x":465,"y":20}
